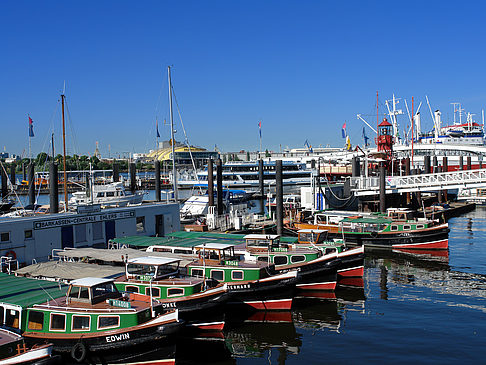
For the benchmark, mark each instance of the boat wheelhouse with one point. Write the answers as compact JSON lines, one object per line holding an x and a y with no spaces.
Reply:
{"x":252,"y":282}
{"x":95,"y":316}
{"x":161,"y":278}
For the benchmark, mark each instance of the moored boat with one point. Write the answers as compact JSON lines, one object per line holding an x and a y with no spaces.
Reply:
{"x":95,"y":316}
{"x":14,"y":351}
{"x":255,"y":283}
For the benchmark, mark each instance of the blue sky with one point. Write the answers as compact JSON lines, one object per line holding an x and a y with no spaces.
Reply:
{"x":302,"y":67}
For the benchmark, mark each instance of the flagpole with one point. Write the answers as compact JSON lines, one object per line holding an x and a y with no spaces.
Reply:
{"x":260,"y":127}
{"x":30,"y":139}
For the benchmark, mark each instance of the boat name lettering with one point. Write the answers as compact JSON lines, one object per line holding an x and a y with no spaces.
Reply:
{"x":168,"y":305}
{"x":231,"y":262}
{"x":119,"y":303}
{"x":240,"y":286}
{"x":83,"y":219}
{"x":115,"y":338}
{"x":280,"y":249}
{"x":145,"y":277}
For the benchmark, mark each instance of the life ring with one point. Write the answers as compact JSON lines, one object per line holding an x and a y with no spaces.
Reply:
{"x":11,"y":254}
{"x":78,"y":352}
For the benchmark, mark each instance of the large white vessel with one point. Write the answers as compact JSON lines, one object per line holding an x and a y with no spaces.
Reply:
{"x":107,"y":195}
{"x":246,"y":174}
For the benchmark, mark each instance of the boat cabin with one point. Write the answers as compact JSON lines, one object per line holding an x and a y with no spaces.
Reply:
{"x":400,"y":214}
{"x":312,"y":236}
{"x":151,"y":268}
{"x":219,"y":252}
{"x":92,"y":291}
{"x":262,"y":241}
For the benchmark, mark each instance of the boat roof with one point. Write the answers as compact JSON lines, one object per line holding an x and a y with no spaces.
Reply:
{"x":153,"y":260}
{"x":186,"y":239}
{"x":310,"y":230}
{"x":214,"y":246}
{"x":261,"y":236}
{"x":371,"y":220}
{"x":26,"y":292}
{"x":90,"y":281}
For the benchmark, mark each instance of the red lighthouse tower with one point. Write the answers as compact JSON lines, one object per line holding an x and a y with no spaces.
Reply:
{"x":384,"y":141}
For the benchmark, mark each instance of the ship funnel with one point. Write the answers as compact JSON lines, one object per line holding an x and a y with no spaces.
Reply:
{"x":437,"y":114}
{"x":416,"y":119}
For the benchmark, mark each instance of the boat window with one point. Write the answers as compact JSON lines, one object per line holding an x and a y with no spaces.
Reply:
{"x":394,"y":228}
{"x":237,"y":275}
{"x":81,"y":323}
{"x":406,"y":227}
{"x":100,"y":195}
{"x":58,"y":322}
{"x":297,"y":258}
{"x":108,"y":322}
{"x":419,"y":226}
{"x":144,"y":316}
{"x":155,"y":292}
{"x":280,"y":260}
{"x":140,"y":224}
{"x":97,"y":231}
{"x":12,"y":318}
{"x":131,"y":289}
{"x":217,"y":275}
{"x":28,"y":235}
{"x":197,"y":272}
{"x":136,"y":269}
{"x":2,"y":313}
{"x":5,"y":237}
{"x":74,"y":292}
{"x":36,"y":320}
{"x":172,"y":292}
{"x":180,"y":250}
{"x":263,"y":258}
{"x":104,"y":289}
{"x":110,"y":194}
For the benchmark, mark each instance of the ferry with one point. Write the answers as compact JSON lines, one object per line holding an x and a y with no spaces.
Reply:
{"x":246,"y":174}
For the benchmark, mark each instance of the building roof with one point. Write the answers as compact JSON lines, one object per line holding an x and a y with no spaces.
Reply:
{"x":214,"y":246}
{"x":164,"y":154}
{"x":26,"y":292}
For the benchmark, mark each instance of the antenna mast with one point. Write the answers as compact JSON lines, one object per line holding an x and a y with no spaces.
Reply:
{"x":64,"y":156}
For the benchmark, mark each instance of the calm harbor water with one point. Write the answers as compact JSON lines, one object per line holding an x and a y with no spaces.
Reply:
{"x":411,"y":308}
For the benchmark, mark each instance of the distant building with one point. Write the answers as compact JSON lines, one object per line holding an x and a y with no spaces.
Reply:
{"x":182,"y":154}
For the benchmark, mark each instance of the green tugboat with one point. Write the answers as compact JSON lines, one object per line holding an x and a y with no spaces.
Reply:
{"x":161,"y":278}
{"x":254,"y":283}
{"x":95,"y":316}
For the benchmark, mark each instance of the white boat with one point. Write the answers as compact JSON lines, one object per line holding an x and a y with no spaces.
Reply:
{"x":246,"y":174}
{"x":108,"y":195}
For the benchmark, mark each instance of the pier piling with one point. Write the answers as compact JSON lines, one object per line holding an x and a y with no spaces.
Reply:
{"x":210,"y":183}
{"x":461,"y":163}
{"x":279,"y":196}
{"x":24,"y":175}
{"x":382,"y":188}
{"x":468,"y":162}
{"x":427,"y":164}
{"x":157,"y":181}
{"x":133,"y":182}
{"x":116,"y":172}
{"x":445,"y":166}
{"x":53,"y":188}
{"x":12,"y":173}
{"x":4,"y":183}
{"x":219,"y":185}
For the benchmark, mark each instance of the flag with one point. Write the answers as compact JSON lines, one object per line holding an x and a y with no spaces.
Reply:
{"x":31,"y":127}
{"x":260,"y":128}
{"x":365,"y":137}
{"x":348,"y":143}
{"x":343,"y":131}
{"x":157,"y":128}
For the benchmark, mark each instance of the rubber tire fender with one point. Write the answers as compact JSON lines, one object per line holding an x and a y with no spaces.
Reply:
{"x":79,"y":352}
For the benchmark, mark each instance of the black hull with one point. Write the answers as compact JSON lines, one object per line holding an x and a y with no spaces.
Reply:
{"x":113,"y":341}
{"x":388,"y":240}
{"x":201,"y":304}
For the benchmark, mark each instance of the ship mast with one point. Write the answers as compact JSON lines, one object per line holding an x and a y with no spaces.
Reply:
{"x":64,"y":156}
{"x":174,"y":170}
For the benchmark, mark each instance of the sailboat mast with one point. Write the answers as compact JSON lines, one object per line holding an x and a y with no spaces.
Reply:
{"x":64,"y":156}
{"x":174,"y":170}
